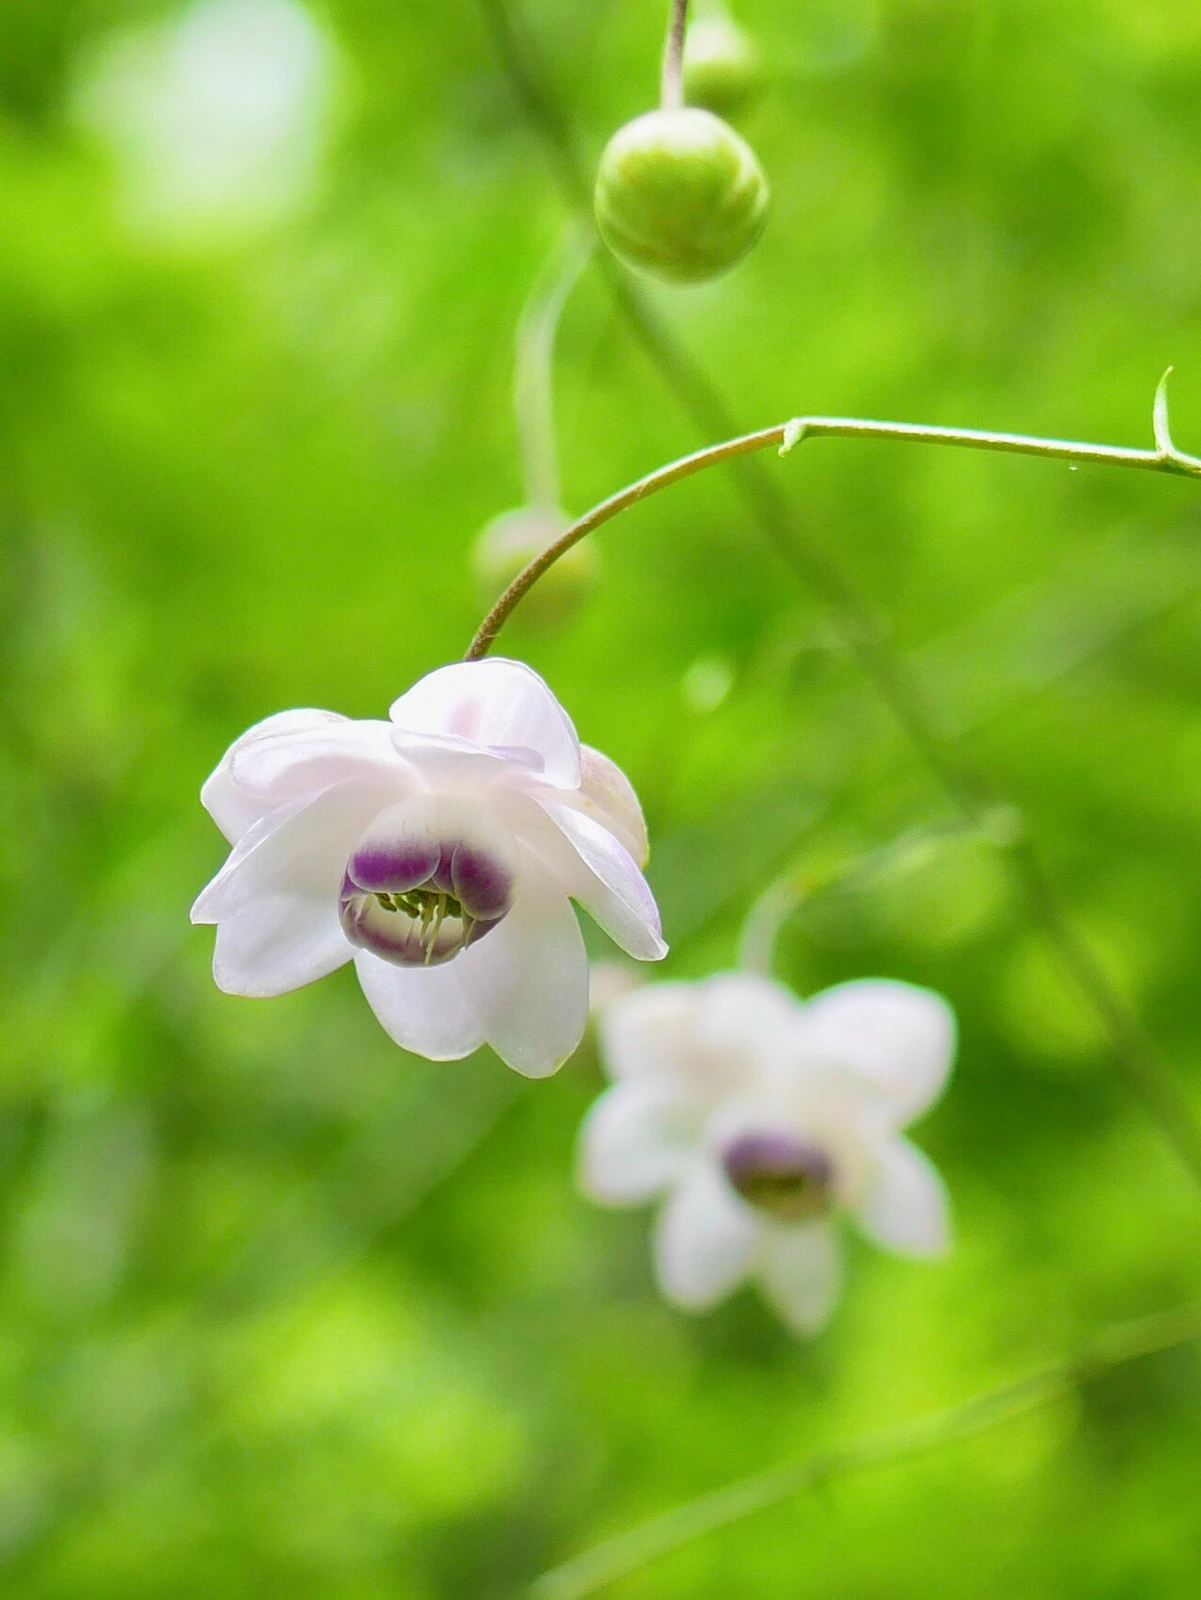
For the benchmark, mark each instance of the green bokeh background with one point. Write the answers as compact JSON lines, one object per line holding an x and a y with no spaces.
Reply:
{"x":284,"y":1311}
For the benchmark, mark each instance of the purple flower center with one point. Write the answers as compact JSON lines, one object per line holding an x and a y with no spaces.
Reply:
{"x":780,"y":1174}
{"x":428,"y":878}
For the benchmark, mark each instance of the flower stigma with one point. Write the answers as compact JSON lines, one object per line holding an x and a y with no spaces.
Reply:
{"x":780,"y":1174}
{"x":429,"y":877}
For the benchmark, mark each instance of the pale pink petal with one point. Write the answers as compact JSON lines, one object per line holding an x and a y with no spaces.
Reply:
{"x":706,"y":1241}
{"x":801,"y":1273}
{"x":300,"y":848}
{"x":276,"y":943}
{"x":604,"y":879}
{"x":606,"y":794}
{"x":649,"y":1032}
{"x":906,"y":1207}
{"x":899,"y":1038}
{"x":231,"y":808}
{"x":638,"y":1139}
{"x":424,"y":1009}
{"x":528,"y":979}
{"x":499,"y":703}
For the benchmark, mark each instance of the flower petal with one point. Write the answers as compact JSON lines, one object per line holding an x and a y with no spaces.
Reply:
{"x":638,"y":1139}
{"x":897,"y":1036}
{"x":604,"y":878}
{"x":648,"y":1032}
{"x":276,"y":943}
{"x":905,"y":1209}
{"x":287,"y":764}
{"x":424,"y":1009}
{"x":299,"y":848}
{"x":706,"y":1241}
{"x":801,"y":1274}
{"x":607,"y":795}
{"x":231,"y":808}
{"x":745,"y":1016}
{"x":495,"y":702}
{"x":528,"y":979}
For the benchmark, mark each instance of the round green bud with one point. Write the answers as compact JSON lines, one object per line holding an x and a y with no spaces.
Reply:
{"x":509,"y":542}
{"x":722,"y":68}
{"x":680,"y":195}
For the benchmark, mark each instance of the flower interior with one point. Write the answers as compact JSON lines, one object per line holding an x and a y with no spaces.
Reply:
{"x":428,"y":878}
{"x":780,"y":1174}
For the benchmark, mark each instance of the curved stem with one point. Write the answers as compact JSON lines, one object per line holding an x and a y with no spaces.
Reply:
{"x":627,"y":1552}
{"x":787,"y":435}
{"x":764,"y":922}
{"x":533,"y":377}
{"x":671,"y":83}
{"x":602,"y":513}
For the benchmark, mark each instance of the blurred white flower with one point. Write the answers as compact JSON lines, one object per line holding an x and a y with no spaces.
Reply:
{"x":759,"y":1118}
{"x":438,"y":851}
{"x":217,"y":115}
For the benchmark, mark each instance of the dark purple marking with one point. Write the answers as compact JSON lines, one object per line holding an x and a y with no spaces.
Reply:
{"x":786,"y":1176}
{"x":393,"y":869}
{"x":480,"y":883}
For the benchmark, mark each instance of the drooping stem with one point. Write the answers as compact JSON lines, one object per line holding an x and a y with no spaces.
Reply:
{"x":533,"y":377}
{"x":786,"y":435}
{"x":629,"y":1551}
{"x":877,"y":659}
{"x":671,"y":82}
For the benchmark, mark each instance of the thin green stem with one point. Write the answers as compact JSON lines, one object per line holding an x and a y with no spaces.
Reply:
{"x":1137,"y":1059}
{"x":671,"y":83}
{"x":629,"y":1551}
{"x":533,"y":378}
{"x":786,"y":435}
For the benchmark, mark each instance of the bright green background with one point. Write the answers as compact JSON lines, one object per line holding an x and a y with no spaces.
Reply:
{"x":283,"y":1311}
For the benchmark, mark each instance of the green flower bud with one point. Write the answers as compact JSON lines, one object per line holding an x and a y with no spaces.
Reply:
{"x":722,"y":69}
{"x":507,"y":543}
{"x":680,"y":195}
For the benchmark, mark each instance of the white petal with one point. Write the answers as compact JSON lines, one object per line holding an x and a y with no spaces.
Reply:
{"x":638,"y":1139}
{"x":277,"y":943}
{"x":906,"y":1208}
{"x":300,"y":848}
{"x":528,"y":979}
{"x":231,"y":808}
{"x":649,"y":1032}
{"x":288,"y":764}
{"x":897,"y":1036}
{"x":424,"y":1009}
{"x":455,"y":766}
{"x":497,"y":703}
{"x":706,"y":1241}
{"x":801,"y":1274}
{"x":608,"y":795}
{"x":606,"y":881}
{"x":743,"y":1015}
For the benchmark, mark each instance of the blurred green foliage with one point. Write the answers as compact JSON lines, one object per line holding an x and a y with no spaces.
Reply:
{"x":283,"y":1311}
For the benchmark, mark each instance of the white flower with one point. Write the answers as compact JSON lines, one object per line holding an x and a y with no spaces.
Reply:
{"x":438,"y":851}
{"x":759,"y":1118}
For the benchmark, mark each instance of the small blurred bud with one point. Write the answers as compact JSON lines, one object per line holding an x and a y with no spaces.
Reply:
{"x":507,"y":543}
{"x":680,"y":195}
{"x":722,"y":68}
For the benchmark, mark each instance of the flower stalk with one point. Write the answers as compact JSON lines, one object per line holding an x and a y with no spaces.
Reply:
{"x":1164,"y":457}
{"x":533,"y":382}
{"x":617,"y":1557}
{"x":671,"y":83}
